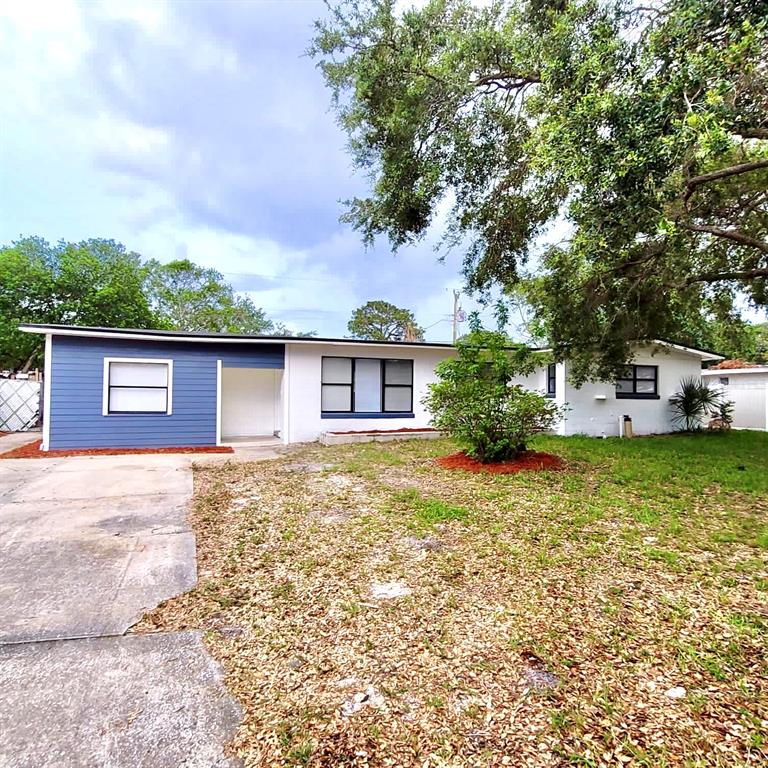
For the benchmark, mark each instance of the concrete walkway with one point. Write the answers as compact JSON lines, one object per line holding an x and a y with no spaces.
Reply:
{"x":87,"y":544}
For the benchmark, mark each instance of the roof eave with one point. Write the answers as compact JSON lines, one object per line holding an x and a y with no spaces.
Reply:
{"x":188,"y":337}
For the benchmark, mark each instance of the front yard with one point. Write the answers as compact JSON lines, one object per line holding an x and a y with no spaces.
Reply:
{"x":373,"y":609}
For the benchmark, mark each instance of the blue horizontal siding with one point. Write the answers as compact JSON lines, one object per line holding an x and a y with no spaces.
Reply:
{"x":76,"y":419}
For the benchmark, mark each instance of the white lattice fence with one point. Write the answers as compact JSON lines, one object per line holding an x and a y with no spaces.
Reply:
{"x":19,"y":405}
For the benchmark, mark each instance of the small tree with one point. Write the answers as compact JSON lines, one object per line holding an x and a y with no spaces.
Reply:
{"x":723,"y":416}
{"x":694,"y":402}
{"x":382,"y":321}
{"x":475,"y":402}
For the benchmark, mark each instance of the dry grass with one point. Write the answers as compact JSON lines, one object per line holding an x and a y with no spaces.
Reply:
{"x":544,"y":619}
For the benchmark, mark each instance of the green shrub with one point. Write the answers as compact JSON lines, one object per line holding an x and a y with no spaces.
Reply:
{"x":475,"y":402}
{"x":694,"y":402}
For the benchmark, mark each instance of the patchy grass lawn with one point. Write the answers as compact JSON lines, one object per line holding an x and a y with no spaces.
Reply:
{"x":373,"y":609}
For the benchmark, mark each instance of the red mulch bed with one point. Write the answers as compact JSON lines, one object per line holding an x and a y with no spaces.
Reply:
{"x":530,"y":461}
{"x":32,"y":451}
{"x":384,"y":431}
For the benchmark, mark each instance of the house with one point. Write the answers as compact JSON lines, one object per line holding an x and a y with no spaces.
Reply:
{"x":746,"y":386}
{"x":598,"y":408}
{"x":108,"y":387}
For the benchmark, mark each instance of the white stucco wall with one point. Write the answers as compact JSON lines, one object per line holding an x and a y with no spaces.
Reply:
{"x":587,"y":411}
{"x":302,"y":420}
{"x":587,"y":414}
{"x":249,"y":398}
{"x":748,"y":390}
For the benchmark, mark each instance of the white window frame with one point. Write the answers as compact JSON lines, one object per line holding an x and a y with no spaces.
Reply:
{"x":105,"y":390}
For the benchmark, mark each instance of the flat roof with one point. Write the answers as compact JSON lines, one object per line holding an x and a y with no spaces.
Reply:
{"x":726,"y":372}
{"x":150,"y":334}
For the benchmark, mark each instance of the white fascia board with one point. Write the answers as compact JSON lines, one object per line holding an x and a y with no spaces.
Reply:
{"x":689,"y":350}
{"x":733,"y":371}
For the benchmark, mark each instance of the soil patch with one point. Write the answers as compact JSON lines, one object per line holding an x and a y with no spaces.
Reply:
{"x":32,"y":451}
{"x":525,"y":462}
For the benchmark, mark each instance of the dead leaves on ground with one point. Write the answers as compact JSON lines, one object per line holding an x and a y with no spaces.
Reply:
{"x":511,"y":639}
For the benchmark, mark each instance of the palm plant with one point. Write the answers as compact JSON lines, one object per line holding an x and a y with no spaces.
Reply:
{"x":693,"y":402}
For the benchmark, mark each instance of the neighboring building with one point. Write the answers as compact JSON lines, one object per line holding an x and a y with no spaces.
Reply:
{"x":746,"y":385}
{"x":140,"y":388}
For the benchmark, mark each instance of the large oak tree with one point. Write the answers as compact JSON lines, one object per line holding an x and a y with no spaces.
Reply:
{"x":611,"y":156}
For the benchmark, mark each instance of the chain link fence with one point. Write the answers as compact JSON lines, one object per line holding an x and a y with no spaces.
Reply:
{"x":19,"y":405}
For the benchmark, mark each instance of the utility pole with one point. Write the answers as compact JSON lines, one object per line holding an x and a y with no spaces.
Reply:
{"x":456,"y":295}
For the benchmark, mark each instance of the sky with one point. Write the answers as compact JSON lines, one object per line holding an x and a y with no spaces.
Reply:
{"x":198,"y":129}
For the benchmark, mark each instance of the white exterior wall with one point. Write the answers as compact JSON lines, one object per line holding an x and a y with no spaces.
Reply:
{"x":302,"y":420}
{"x":748,"y":390}
{"x":249,"y":402}
{"x":588,"y":413}
{"x":592,"y":409}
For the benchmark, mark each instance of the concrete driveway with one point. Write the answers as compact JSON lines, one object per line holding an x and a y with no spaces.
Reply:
{"x":87,"y":544}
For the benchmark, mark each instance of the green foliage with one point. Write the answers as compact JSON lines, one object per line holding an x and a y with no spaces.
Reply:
{"x":639,"y":129}
{"x":695,"y":401}
{"x":428,"y":511}
{"x":382,"y":321}
{"x":100,"y":283}
{"x":94,"y":282}
{"x":724,"y":412}
{"x":187,"y":297}
{"x":475,"y":402}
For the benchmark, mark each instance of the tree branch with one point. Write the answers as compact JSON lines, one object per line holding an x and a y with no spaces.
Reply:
{"x":723,"y":173}
{"x":753,"y":133}
{"x":729,"y":234}
{"x":713,"y":277}
{"x":509,"y":81}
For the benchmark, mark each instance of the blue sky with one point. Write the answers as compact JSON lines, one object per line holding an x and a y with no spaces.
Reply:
{"x":197,"y":129}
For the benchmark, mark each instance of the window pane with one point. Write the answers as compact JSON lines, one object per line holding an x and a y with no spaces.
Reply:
{"x":337,"y":370}
{"x":336,"y":397}
{"x":138,"y":374}
{"x":626,"y":372}
{"x":397,"y":399}
{"x":622,"y":385}
{"x":138,"y":399}
{"x":367,"y":385}
{"x":646,"y":371}
{"x":398,"y":372}
{"x":646,"y":387}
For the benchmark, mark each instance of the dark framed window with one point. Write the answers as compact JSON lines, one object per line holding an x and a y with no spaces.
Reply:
{"x":724,"y":381}
{"x":551,"y":380}
{"x":638,"y":382}
{"x":366,"y":386}
{"x":137,"y":386}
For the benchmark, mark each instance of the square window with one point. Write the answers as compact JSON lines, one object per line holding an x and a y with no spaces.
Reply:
{"x":337,"y":370}
{"x":336,"y":397}
{"x":638,"y":381}
{"x":397,"y":399}
{"x":398,"y":371}
{"x":133,"y":385}
{"x":645,"y":372}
